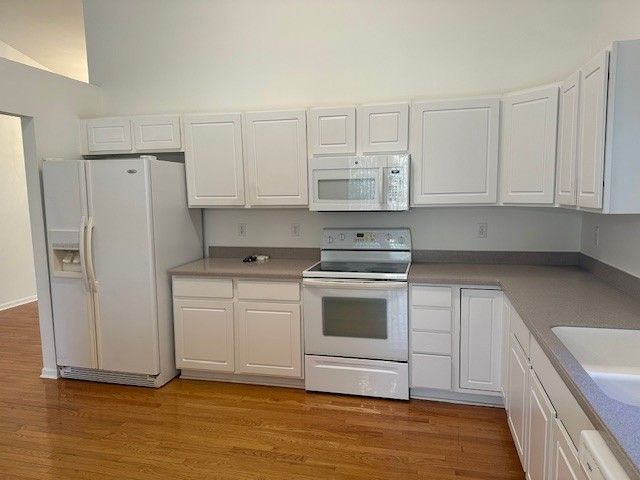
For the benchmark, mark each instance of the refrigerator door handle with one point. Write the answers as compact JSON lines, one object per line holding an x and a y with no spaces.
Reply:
{"x":89,"y":253}
{"x":83,"y":252}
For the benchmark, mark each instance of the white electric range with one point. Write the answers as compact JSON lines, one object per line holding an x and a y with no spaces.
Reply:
{"x":356,"y":313}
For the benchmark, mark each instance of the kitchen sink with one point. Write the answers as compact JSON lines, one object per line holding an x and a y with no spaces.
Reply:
{"x":610,"y":356}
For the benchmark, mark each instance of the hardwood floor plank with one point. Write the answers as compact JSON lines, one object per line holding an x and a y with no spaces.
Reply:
{"x":69,"y":429}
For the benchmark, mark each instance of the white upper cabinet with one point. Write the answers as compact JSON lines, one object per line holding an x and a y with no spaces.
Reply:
{"x":591,"y":140}
{"x":568,"y":141}
{"x":454,"y":151}
{"x":156,"y":133}
{"x":383,"y":128}
{"x":275,"y":147}
{"x":213,"y":158}
{"x":529,"y":127}
{"x":332,"y":130}
{"x":480,"y":339}
{"x":106,"y":135}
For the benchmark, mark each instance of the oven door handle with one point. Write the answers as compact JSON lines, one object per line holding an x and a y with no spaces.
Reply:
{"x":368,"y":284}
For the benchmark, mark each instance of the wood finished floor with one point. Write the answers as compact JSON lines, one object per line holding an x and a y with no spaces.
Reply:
{"x":69,"y":429}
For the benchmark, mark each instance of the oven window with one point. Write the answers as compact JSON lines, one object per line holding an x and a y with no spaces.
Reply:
{"x":347,"y":189}
{"x":354,"y":317}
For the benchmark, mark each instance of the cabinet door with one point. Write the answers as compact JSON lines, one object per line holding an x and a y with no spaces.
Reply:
{"x":540,"y":431}
{"x":504,"y":373}
{"x":383,"y":128}
{"x":529,"y":149}
{"x":593,"y":105}
{"x":157,"y":133}
{"x":518,"y":397}
{"x":204,"y":334}
{"x":276,"y":153}
{"x":567,"y":170}
{"x":332,"y":130}
{"x":455,"y":151}
{"x":480,"y":337}
{"x":213,"y":159}
{"x":108,"y":135}
{"x":566,"y":465}
{"x":269,"y":339}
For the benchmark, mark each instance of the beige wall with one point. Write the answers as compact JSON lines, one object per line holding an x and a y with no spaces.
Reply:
{"x":17,"y":275}
{"x":509,"y":228}
{"x":195,"y":55}
{"x":618,"y":240}
{"x":50,"y":105}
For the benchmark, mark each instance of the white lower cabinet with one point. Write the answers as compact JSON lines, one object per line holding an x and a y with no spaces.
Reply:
{"x":565,"y":462}
{"x":540,"y":432}
{"x":221,"y":328}
{"x":518,"y":397}
{"x":204,"y":334}
{"x":480,"y":339}
{"x":269,"y":339}
{"x":431,"y":371}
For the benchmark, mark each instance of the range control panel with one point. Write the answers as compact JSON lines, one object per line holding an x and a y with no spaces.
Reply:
{"x":366,"y":239}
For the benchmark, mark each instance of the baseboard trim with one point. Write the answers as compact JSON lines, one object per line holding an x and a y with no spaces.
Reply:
{"x":50,"y":373}
{"x":246,"y":379}
{"x":456,"y":397}
{"x":18,"y":302}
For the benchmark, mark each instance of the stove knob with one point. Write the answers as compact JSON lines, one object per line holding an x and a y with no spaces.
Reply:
{"x":329,"y":239}
{"x":342,"y":237}
{"x":388,"y":237}
{"x":401,"y":240}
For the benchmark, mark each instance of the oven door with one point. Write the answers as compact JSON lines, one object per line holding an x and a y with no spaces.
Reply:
{"x":358,"y":319}
{"x":335,"y":188}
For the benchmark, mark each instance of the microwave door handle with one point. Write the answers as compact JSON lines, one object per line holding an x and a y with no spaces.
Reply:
{"x":373,"y":285}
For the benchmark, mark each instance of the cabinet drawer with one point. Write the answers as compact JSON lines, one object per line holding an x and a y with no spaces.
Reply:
{"x":269,"y":290}
{"x":429,"y":342}
{"x":431,"y":371}
{"x":431,"y":296}
{"x":202,"y":287}
{"x":520,"y":331}
{"x":431,"y":319}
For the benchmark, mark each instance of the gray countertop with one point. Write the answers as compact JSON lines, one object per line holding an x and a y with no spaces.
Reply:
{"x":234,"y":267}
{"x":544,"y":296}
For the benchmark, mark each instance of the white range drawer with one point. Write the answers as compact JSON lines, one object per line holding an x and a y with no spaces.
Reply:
{"x":258,"y":290}
{"x":431,"y":371}
{"x":431,"y":296}
{"x":431,"y":319}
{"x":372,"y":378}
{"x":431,"y":342}
{"x":202,"y":287}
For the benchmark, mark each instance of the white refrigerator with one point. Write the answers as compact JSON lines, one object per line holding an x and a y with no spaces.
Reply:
{"x":114,"y":227}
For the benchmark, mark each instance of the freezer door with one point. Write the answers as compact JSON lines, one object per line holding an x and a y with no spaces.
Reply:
{"x":65,"y":202}
{"x":121,"y":246}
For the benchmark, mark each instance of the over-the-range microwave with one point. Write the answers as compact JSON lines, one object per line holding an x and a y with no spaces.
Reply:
{"x":359,"y":183}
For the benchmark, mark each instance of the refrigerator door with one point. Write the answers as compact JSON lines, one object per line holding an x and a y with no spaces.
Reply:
{"x":65,"y":201}
{"x":120,"y":244}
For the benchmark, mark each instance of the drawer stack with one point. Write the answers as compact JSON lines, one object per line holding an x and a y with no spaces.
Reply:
{"x":431,"y":337}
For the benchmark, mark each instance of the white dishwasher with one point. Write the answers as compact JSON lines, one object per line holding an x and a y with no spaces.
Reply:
{"x":597,"y":460}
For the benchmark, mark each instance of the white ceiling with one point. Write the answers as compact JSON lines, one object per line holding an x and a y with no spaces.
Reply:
{"x":51,"y":32}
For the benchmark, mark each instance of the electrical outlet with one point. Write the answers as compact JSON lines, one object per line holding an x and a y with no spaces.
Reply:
{"x":296,"y":231}
{"x":596,"y":236}
{"x":242,"y":229}
{"x":483,"y":230}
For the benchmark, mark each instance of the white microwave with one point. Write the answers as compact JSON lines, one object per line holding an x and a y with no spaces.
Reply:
{"x":364,"y":183}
